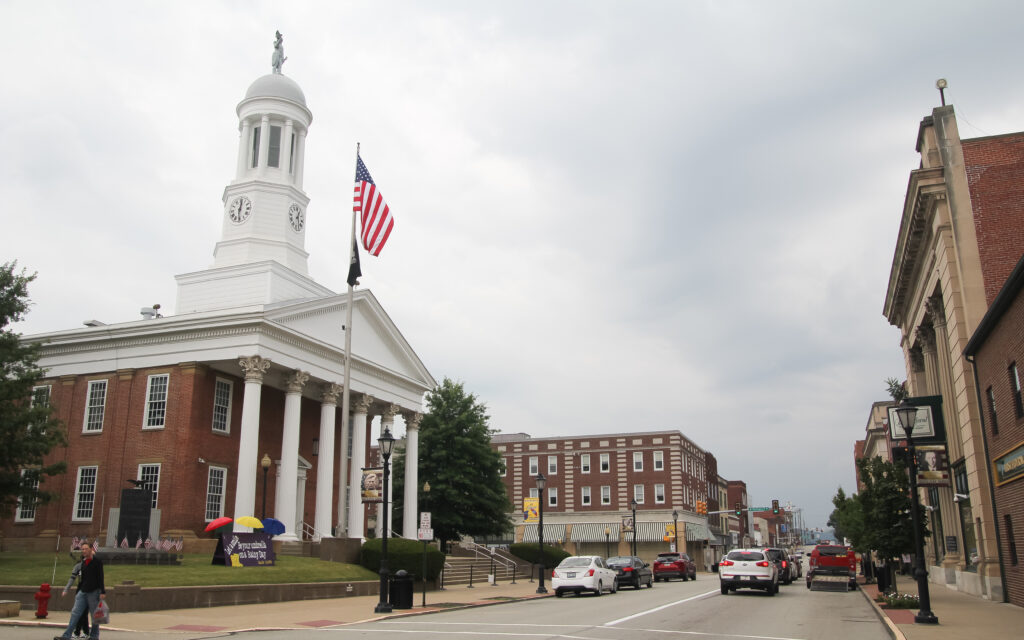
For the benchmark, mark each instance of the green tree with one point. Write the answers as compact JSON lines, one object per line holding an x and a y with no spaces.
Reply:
{"x":28,"y":429}
{"x":847,"y":520}
{"x":467,"y":496}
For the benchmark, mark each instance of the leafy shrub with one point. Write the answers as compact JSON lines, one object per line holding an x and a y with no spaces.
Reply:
{"x":402,"y":554}
{"x":530,"y":552}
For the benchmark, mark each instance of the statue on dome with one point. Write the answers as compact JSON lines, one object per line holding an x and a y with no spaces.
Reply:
{"x":278,"y":58}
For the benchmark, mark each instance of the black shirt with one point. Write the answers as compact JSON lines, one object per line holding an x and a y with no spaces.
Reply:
{"x":92,"y":576}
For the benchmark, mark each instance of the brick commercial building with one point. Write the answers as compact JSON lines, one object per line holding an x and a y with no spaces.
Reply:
{"x":997,"y":348}
{"x":592,"y":480}
{"x":249,"y":367}
{"x":961,"y":233}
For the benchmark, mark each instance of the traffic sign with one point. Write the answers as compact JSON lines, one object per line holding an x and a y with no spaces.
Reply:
{"x":425,"y":534}
{"x":424,"y":519}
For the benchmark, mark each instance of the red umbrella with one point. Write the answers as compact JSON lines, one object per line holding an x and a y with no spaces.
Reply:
{"x":219,"y":522}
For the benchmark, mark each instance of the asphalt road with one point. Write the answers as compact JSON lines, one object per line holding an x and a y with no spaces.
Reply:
{"x":668,"y":611}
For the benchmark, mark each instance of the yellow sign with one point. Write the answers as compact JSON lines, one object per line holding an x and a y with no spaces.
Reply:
{"x":670,"y":530}
{"x":531,"y":507}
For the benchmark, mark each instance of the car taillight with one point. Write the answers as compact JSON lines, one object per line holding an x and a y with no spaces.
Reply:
{"x":627,"y":569}
{"x":763,"y":563}
{"x":553,"y":574}
{"x":728,"y":563}
{"x":590,"y":573}
{"x":784,"y":564}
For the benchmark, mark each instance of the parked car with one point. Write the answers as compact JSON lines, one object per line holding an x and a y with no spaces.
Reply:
{"x":781,"y":560}
{"x":632,"y":571}
{"x":748,"y":569}
{"x":670,"y":565}
{"x":583,"y":573}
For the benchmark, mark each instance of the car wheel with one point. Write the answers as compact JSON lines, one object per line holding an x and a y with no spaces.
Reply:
{"x":558,"y":594}
{"x":773,"y":589}
{"x":636,"y":582}
{"x":694,"y":576}
{"x":650,"y":582}
{"x":600,"y":589}
{"x":725,"y":590}
{"x":615,"y":586}
{"x":684,"y":577}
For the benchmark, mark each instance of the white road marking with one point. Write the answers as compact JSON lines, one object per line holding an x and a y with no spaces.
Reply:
{"x":664,"y":606}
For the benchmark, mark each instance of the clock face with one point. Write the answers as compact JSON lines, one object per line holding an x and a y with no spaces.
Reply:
{"x":240,"y":209}
{"x":296,"y":217}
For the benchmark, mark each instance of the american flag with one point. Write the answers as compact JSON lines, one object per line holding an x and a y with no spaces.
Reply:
{"x":374,"y":215}
{"x":124,"y":543}
{"x":148,"y":543}
{"x":138,"y":543}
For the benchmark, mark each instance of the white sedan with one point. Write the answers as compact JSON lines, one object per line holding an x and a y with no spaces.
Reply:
{"x":583,"y":573}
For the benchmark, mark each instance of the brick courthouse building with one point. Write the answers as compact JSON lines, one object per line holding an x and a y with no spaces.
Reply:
{"x":250,"y":365}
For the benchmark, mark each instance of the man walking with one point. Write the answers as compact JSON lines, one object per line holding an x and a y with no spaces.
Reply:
{"x":90,"y":592}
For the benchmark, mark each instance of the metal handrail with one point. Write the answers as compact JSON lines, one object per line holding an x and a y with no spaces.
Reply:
{"x":486,"y":552}
{"x":309,"y":532}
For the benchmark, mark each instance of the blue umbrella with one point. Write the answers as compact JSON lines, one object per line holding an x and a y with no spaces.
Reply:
{"x":273,"y":526}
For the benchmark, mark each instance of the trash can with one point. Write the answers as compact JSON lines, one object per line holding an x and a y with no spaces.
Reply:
{"x":714,"y":567}
{"x":401,"y":589}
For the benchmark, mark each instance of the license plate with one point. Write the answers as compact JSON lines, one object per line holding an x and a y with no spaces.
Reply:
{"x":570,"y":575}
{"x":744,"y":577}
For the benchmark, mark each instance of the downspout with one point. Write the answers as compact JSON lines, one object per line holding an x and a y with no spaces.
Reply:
{"x":991,"y":484}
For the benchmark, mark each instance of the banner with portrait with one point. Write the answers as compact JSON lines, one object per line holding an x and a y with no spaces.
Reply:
{"x":932,"y":466}
{"x":372,"y":485}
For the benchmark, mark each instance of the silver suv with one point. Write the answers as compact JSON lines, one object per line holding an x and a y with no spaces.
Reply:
{"x":748,"y":569}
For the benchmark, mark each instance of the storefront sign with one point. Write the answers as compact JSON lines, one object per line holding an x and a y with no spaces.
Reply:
{"x":1010,"y":465}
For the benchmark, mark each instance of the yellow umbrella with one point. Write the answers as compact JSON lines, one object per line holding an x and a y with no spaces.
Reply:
{"x":249,"y":521}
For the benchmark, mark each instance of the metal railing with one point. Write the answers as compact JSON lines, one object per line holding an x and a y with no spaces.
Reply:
{"x":487,"y":553}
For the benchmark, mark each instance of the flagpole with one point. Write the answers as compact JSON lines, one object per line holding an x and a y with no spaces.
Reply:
{"x":345,"y":396}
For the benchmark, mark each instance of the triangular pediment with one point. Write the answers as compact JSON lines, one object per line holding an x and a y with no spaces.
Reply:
{"x":375,"y":338}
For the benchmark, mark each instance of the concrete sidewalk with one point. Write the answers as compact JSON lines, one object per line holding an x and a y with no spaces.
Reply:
{"x":305,"y":614}
{"x":960,"y":615}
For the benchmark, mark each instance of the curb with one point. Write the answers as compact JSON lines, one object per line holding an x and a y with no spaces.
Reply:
{"x":890,"y":626}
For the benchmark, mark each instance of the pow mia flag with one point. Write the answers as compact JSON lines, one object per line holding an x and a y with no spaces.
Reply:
{"x":354,"y":273}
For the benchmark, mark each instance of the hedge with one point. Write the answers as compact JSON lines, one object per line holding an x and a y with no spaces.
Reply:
{"x":402,"y":554}
{"x":530,"y":552}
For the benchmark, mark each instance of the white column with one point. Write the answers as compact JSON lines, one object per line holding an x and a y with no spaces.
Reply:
{"x":410,"y":517}
{"x":264,"y":144}
{"x":284,"y":505}
{"x":243,"y":149}
{"x":248,"y":441}
{"x":300,"y":155}
{"x":325,"y":463}
{"x":286,"y":148}
{"x":355,"y":499}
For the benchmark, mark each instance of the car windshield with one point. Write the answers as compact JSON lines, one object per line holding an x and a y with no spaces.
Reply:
{"x":620,"y":560}
{"x":831,"y":551}
{"x":576,"y":561}
{"x":746,"y":555}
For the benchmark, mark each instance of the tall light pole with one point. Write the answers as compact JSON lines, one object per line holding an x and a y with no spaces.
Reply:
{"x":675,"y":528}
{"x":387,"y":443}
{"x":907,"y":414}
{"x":607,"y":542}
{"x":426,"y":490}
{"x":632,"y":503}
{"x":541,"y":483}
{"x":265,"y":463}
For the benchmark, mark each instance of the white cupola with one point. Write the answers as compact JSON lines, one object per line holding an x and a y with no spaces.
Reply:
{"x":261,"y":257}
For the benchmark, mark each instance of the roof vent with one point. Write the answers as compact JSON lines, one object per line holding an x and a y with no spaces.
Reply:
{"x":148,"y":313}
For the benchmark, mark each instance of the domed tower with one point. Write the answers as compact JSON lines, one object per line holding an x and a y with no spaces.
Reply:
{"x":261,"y":257}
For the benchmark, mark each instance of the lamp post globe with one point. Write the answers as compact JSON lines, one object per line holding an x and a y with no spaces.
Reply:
{"x":541,"y":483}
{"x":632,"y":504}
{"x":907,"y":415}
{"x":386,"y":442}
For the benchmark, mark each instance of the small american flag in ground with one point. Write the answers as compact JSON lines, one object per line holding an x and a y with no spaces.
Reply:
{"x":124,"y":543}
{"x":374,"y":214}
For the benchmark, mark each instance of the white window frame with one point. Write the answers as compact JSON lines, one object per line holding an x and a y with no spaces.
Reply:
{"x":37,"y":391}
{"x":606,"y":463}
{"x":224,"y":429}
{"x":606,"y":494}
{"x":534,"y":466}
{"x":585,"y":496}
{"x":223,"y":476}
{"x":638,"y":461}
{"x":534,"y":492}
{"x":659,"y":494}
{"x":584,"y":463}
{"x":552,"y":496}
{"x":659,"y":460}
{"x":27,"y":512}
{"x":154,"y":486}
{"x":503,"y":468}
{"x":638,"y":493}
{"x":95,"y":410}
{"x":552,"y":465}
{"x":155,"y":414}
{"x":79,"y":506}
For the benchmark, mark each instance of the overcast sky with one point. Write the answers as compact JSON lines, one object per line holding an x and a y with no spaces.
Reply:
{"x":610,"y":216}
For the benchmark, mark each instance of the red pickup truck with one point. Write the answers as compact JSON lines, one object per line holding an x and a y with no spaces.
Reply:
{"x":832,"y":563}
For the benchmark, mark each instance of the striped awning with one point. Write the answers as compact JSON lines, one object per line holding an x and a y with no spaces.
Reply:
{"x":647,"y":532}
{"x":552,"y":533}
{"x":697,"y":532}
{"x":593,"y":531}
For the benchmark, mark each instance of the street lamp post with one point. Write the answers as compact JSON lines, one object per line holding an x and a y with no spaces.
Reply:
{"x":907,"y":414}
{"x":675,"y":528}
{"x":426,"y":490}
{"x":387,"y":443}
{"x":607,"y":542}
{"x":632,"y":503}
{"x":265,"y":463}
{"x":541,"y":482}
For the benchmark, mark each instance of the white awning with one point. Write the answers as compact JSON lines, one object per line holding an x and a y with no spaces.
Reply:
{"x":593,"y":531}
{"x":552,"y":533}
{"x":697,"y":532}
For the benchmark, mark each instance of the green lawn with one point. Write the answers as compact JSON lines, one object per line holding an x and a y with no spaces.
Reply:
{"x":195,"y":569}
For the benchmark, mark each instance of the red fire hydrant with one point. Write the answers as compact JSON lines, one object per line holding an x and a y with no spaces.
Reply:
{"x":43,"y":596}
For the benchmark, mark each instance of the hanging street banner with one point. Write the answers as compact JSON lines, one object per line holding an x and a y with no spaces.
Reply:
{"x":627,"y":524}
{"x":245,"y":550}
{"x":932,"y":466}
{"x":372,"y":485}
{"x":531,"y":508}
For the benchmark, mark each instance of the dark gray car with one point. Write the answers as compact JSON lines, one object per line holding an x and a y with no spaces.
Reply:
{"x":631,"y":570}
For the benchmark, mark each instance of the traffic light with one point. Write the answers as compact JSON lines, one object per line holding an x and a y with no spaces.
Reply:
{"x":739,"y":509}
{"x":775,"y":507}
{"x":701,"y":509}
